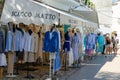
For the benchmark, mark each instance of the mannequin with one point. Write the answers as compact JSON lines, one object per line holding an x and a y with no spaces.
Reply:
{"x":66,"y":48}
{"x":27,"y":44}
{"x":28,"y":51}
{"x":34,"y":45}
{"x":75,"y":46}
{"x":80,"y":45}
{"x":22,"y":27}
{"x":40,"y":43}
{"x":70,"y":53}
{"x":10,"y":49}
{"x":51,"y":45}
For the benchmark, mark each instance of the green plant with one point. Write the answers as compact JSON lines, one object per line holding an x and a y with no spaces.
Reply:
{"x":1,"y":1}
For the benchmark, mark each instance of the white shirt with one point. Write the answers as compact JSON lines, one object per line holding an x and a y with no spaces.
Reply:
{"x":28,"y":42}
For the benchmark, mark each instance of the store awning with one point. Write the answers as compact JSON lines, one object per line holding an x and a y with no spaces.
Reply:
{"x":88,"y":15}
{"x":27,"y":12}
{"x":72,"y":15}
{"x":105,"y":29}
{"x":104,"y":10}
{"x":61,"y":4}
{"x":82,"y":8}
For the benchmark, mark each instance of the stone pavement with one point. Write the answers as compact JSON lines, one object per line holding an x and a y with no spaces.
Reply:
{"x":100,"y":68}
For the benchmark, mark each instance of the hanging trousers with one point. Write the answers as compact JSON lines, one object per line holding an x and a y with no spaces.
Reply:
{"x":10,"y":67}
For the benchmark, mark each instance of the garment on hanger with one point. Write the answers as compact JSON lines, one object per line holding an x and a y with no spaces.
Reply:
{"x":94,"y":40}
{"x":18,"y":41}
{"x":85,"y":42}
{"x":57,"y":62}
{"x":34,"y":48}
{"x":101,"y":41}
{"x":75,"y":44}
{"x":9,"y":41}
{"x":23,"y":38}
{"x":28,"y":41}
{"x":34,"y":45}
{"x":51,"y":42}
{"x":71,"y":59}
{"x":81,"y":44}
{"x":2,"y":48}
{"x":9,"y":49}
{"x":40,"y":45}
{"x":59,"y":37}
{"x":3,"y":61}
{"x":89,"y":44}
{"x":27,"y":47}
{"x":66,"y":46}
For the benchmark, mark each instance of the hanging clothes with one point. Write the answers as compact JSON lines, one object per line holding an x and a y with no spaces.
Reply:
{"x":94,"y":40}
{"x":85,"y":42}
{"x":71,"y":59}
{"x":3,"y":61}
{"x":59,"y":37}
{"x":10,"y":67}
{"x":89,"y":45}
{"x":51,"y":42}
{"x":89,"y":41}
{"x":101,"y":41}
{"x":18,"y":41}
{"x":80,"y":44}
{"x":34,"y":45}
{"x":34,"y":48}
{"x":2,"y":47}
{"x":75,"y":44}
{"x":28,"y":55}
{"x":57,"y":62}
{"x":40,"y":45}
{"x":9,"y":41}
{"x":66,"y":46}
{"x":28,"y":42}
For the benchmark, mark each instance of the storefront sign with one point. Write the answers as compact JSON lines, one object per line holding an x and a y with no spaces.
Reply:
{"x":73,"y":21}
{"x":69,"y":20}
{"x":27,"y":12}
{"x":36,"y":15}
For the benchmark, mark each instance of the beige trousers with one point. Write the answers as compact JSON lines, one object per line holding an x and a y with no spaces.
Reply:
{"x":10,"y":67}
{"x":39,"y":52}
{"x":29,"y":57}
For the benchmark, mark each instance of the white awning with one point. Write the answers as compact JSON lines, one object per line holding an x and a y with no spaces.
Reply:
{"x":81,"y":8}
{"x":86,"y":21}
{"x":61,"y":4}
{"x":27,"y":12}
{"x":104,"y":9}
{"x":105,"y":29}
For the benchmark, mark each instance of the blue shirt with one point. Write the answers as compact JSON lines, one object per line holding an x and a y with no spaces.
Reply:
{"x":1,"y":42}
{"x":51,"y":42}
{"x":9,"y":41}
{"x":18,"y":41}
{"x":101,"y":40}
